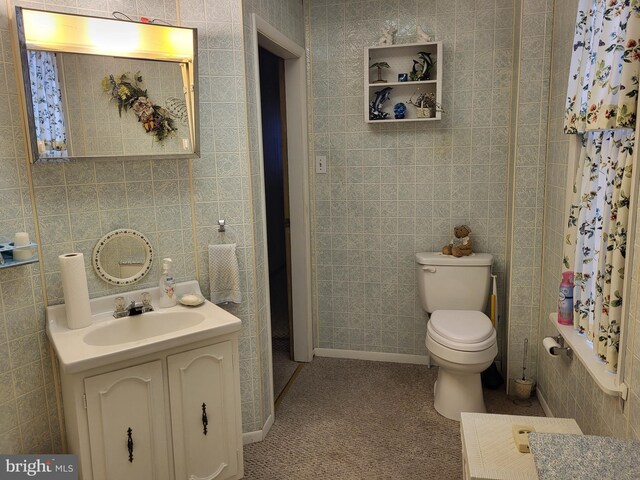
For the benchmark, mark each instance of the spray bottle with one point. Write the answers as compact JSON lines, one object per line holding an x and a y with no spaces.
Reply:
{"x":565,"y":299}
{"x":167,"y":285}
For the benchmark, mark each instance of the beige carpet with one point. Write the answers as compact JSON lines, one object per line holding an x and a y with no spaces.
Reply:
{"x":352,"y":419}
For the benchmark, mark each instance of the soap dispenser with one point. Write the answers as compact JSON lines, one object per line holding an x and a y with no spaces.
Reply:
{"x":167,"y":285}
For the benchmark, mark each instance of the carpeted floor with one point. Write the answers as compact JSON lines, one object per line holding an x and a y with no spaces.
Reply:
{"x":353,"y":419}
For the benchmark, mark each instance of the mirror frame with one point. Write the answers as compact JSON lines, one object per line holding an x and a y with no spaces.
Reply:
{"x":120,"y":233}
{"x":70,"y":44}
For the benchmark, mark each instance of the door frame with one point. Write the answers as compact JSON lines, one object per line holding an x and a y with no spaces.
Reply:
{"x":271,"y":39}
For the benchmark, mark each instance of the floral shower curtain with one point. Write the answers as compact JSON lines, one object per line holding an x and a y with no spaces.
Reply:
{"x":603,"y":80}
{"x":595,"y":246}
{"x":47,"y":103}
{"x":601,"y":104}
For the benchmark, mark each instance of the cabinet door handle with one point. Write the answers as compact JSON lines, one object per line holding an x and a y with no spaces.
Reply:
{"x":130,"y":444}
{"x":205,"y":421}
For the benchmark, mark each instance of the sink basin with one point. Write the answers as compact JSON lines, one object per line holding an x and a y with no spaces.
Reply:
{"x":140,"y":327}
{"x":108,"y":340}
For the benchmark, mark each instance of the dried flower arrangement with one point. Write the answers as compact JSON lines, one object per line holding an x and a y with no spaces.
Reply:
{"x":426,"y":104}
{"x":128,"y":92}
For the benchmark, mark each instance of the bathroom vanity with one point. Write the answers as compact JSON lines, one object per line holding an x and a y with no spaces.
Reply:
{"x":151,"y":396}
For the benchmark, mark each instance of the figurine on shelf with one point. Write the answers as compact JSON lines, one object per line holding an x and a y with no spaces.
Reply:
{"x":380,"y":66}
{"x":422,"y":36}
{"x":375,"y":107}
{"x":388,"y":36}
{"x":399,"y":109}
{"x":422,"y":70}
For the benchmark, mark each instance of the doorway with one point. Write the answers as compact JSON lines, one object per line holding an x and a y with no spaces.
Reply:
{"x":276,"y":191}
{"x":302,"y":333}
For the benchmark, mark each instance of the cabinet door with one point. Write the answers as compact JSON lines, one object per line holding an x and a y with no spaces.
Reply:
{"x":127,"y":429}
{"x":203,"y":413}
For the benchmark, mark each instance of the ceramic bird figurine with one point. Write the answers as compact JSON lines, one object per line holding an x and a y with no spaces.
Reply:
{"x":387,"y":37}
{"x":422,"y":36}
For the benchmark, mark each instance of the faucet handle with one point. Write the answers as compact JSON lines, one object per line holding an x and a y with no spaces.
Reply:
{"x":120,"y":304}
{"x":146,"y":299}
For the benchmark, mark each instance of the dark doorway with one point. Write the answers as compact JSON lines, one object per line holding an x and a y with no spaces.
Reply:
{"x":274,"y":143}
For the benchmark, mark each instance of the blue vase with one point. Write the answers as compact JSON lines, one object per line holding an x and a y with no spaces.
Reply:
{"x":399,"y":109}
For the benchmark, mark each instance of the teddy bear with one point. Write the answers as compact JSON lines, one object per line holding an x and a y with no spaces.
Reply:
{"x":461,"y":244}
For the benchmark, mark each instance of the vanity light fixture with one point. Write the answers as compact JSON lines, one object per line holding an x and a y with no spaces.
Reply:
{"x":63,"y":32}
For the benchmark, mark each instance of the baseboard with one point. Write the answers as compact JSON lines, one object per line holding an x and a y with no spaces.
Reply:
{"x":258,"y":435}
{"x":373,"y":356}
{"x":252,"y":437}
{"x":544,"y":404}
{"x":267,"y":426}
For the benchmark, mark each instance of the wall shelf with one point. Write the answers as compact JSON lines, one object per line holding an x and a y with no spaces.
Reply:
{"x":607,"y":381}
{"x":400,"y":59}
{"x":6,"y":254}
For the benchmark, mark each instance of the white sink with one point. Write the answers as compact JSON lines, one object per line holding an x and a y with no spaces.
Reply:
{"x":141,"y":327}
{"x":109,"y":340}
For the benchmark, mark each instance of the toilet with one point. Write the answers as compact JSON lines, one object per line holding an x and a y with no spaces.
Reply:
{"x":460,"y":338}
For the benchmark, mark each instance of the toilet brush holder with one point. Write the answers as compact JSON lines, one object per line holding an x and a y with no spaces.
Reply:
{"x":522,"y":388}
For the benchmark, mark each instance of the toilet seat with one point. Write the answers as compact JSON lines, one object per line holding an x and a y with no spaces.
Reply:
{"x":462,"y":330}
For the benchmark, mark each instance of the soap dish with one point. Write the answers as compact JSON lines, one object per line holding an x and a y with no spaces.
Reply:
{"x":191,"y":299}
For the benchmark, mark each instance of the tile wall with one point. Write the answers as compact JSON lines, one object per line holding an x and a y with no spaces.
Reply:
{"x":527,"y":182}
{"x":393,"y":190}
{"x":568,"y":387}
{"x":28,"y":411}
{"x":78,"y":202}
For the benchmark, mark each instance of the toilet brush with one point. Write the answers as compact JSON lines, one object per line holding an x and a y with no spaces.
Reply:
{"x":523,"y":386}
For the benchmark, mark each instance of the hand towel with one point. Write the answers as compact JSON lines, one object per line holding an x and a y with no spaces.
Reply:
{"x":224,"y":274}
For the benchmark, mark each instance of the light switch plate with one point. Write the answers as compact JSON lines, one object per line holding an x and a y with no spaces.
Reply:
{"x":321,"y":164}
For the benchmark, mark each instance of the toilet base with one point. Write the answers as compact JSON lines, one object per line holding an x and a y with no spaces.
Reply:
{"x":458,"y":392}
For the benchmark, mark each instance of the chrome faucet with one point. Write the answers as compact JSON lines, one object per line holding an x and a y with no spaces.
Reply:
{"x":121,"y":309}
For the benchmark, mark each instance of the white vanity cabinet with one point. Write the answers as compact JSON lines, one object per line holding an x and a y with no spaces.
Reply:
{"x":205,"y":438}
{"x":182,"y":406}
{"x":127,"y":431}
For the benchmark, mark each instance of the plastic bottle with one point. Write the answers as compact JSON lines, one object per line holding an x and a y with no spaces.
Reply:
{"x":565,"y":299}
{"x":167,"y":285}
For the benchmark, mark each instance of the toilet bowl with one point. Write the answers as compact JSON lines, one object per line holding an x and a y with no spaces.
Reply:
{"x":463,"y":344}
{"x":460,"y":338}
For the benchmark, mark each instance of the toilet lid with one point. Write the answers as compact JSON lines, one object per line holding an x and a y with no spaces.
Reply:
{"x":461,"y":326}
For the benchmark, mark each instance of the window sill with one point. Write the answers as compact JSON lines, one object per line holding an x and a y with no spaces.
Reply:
{"x":607,"y":381}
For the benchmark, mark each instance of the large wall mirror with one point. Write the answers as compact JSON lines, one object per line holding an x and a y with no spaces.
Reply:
{"x":105,"y":88}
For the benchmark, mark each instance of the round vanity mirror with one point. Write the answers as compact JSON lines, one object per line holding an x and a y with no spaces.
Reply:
{"x":122,"y":257}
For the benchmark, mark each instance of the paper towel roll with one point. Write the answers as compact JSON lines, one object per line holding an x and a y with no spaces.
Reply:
{"x":76,"y":292}
{"x":548,"y":343}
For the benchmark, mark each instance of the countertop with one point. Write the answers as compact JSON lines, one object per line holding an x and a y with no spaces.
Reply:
{"x":584,"y":457}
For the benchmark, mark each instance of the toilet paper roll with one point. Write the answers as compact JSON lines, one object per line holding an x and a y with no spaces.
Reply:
{"x":75,"y":290}
{"x":22,"y":254}
{"x":548,"y":343}
{"x":21,"y":239}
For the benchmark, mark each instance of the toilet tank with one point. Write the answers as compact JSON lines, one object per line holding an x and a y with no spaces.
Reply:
{"x":449,"y":283}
